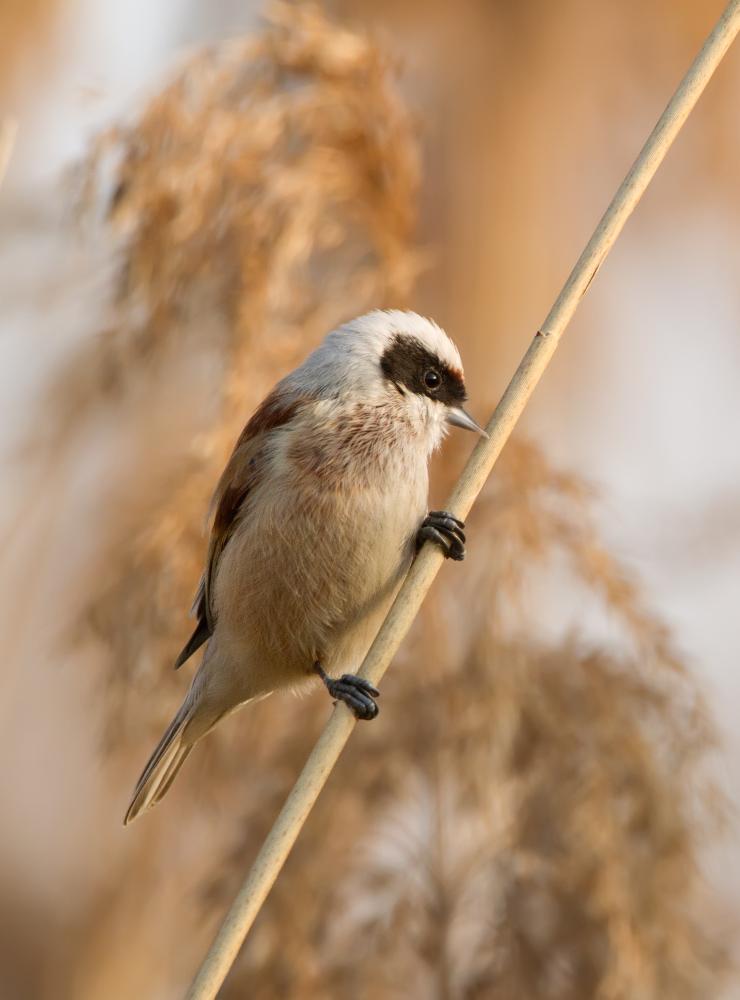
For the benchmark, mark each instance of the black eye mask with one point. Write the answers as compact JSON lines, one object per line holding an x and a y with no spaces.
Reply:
{"x":409,"y":365}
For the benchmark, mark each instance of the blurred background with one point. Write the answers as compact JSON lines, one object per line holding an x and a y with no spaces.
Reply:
{"x":193,"y":195}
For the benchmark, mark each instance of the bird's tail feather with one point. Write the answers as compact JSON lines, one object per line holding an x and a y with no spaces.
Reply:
{"x":162,"y":767}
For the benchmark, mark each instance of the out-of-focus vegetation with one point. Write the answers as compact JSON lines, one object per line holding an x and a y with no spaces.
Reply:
{"x":271,"y":188}
{"x":526,"y":817}
{"x":25,"y":29}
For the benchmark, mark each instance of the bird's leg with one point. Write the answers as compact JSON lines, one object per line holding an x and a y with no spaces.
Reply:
{"x":446,"y":531}
{"x":357,"y":693}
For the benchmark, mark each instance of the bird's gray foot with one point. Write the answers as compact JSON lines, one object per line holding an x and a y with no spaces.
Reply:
{"x":446,"y":531}
{"x":357,"y":693}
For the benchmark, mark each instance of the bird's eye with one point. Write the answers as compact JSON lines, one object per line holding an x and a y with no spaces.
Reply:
{"x":432,"y":379}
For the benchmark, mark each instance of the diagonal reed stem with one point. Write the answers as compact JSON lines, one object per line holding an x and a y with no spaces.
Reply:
{"x":338,"y":729}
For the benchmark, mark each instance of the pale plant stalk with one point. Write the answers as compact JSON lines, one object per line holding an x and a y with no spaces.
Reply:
{"x":338,"y":729}
{"x":8,"y":132}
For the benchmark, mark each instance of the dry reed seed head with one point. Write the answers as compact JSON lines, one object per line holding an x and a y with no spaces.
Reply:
{"x":271,"y":184}
{"x":592,"y":761}
{"x":535,"y":830}
{"x":241,"y":180}
{"x":555,"y":811}
{"x":537,"y":511}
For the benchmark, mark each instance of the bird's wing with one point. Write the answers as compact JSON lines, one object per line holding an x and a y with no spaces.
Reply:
{"x":242,"y":473}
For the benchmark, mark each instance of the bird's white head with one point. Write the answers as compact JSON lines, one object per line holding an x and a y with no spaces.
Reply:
{"x":395,"y":357}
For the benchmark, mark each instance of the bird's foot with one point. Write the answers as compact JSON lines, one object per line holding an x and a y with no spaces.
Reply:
{"x":446,"y":531}
{"x":357,"y":693}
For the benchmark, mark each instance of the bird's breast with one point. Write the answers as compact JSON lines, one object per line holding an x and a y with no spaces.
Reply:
{"x":322,"y":546}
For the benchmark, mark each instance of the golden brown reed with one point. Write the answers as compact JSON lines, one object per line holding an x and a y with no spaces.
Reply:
{"x":525,"y":818}
{"x":272,"y":184}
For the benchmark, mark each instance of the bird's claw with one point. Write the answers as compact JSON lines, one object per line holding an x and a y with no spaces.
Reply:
{"x":357,"y":693}
{"x":445,"y":530}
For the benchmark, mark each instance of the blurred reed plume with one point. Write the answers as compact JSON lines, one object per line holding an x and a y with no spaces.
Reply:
{"x":265,"y":195}
{"x":532,"y":826}
{"x":525,"y":818}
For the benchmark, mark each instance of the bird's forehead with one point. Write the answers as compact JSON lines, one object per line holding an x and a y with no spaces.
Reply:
{"x":395,"y":328}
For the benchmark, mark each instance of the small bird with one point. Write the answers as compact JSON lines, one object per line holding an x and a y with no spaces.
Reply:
{"x":316,"y":519}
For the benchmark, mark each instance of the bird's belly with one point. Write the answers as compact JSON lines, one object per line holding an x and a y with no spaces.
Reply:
{"x":306,"y":579}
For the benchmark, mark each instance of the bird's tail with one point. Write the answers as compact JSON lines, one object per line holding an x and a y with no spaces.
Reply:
{"x":162,"y":767}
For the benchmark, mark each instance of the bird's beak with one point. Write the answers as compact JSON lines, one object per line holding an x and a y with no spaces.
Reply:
{"x":459,"y":417}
